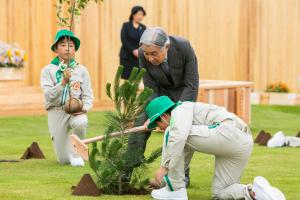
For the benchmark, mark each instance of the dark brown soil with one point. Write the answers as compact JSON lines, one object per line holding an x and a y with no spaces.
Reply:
{"x":127,"y":190}
{"x":34,"y":151}
{"x":9,"y":160}
{"x":264,"y":140}
{"x":259,"y":136}
{"x":86,"y":187}
{"x":134,"y":191}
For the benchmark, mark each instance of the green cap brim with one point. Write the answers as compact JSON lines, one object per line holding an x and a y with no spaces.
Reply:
{"x":76,"y":40}
{"x":152,"y":123}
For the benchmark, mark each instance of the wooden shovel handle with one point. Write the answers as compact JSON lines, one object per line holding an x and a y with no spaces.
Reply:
{"x":116,"y":134}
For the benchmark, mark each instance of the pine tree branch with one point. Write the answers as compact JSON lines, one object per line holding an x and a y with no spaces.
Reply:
{"x":113,"y":152}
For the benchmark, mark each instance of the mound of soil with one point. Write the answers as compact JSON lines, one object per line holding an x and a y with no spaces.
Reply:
{"x":264,"y":140}
{"x":86,"y":187}
{"x":34,"y":151}
{"x":259,"y":136}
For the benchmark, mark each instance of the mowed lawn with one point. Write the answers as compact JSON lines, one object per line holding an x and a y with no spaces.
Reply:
{"x":45,"y":179}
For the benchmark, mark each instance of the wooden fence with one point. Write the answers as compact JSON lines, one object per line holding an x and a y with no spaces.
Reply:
{"x":249,"y":40}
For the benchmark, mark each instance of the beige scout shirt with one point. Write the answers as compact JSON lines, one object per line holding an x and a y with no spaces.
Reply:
{"x":80,"y":86}
{"x":191,"y":118}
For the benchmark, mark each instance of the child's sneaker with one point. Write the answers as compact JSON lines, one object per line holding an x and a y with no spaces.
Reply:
{"x":264,"y":191}
{"x":277,"y":140}
{"x":76,"y":161}
{"x":165,"y":194}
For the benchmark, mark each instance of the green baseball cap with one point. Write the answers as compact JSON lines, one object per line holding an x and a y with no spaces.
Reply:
{"x":156,"y":108}
{"x":66,"y":33}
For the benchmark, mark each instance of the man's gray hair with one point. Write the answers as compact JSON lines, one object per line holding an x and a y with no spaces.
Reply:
{"x":155,"y":36}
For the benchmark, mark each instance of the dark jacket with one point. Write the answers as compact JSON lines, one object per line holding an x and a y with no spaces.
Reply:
{"x":130,"y":38}
{"x":183,"y":69}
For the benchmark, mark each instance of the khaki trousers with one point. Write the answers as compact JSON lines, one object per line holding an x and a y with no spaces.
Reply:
{"x":60,"y":124}
{"x":232,"y":148}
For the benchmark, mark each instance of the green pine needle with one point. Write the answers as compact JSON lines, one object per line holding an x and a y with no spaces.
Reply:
{"x":111,"y":159}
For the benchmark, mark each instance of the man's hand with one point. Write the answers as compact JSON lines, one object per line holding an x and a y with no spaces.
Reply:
{"x":159,"y":175}
{"x":67,"y":75}
{"x":136,"y":53}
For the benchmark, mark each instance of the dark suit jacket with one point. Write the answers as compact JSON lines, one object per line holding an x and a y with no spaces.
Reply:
{"x":130,"y":38}
{"x":183,"y":70}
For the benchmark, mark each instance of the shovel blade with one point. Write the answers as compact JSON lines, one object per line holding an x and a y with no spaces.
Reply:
{"x":79,"y":147}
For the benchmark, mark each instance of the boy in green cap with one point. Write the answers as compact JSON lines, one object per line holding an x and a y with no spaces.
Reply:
{"x":210,"y":129}
{"x":66,"y":84}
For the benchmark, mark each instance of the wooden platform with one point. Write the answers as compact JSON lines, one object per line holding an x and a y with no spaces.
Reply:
{"x":19,"y":100}
{"x":234,"y":95}
{"x":22,"y":100}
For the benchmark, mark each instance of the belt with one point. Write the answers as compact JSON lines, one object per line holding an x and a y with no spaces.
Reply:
{"x":241,"y":126}
{"x":227,"y":121}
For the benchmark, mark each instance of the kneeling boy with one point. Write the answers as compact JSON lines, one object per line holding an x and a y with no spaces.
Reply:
{"x":60,"y":83}
{"x":210,"y":129}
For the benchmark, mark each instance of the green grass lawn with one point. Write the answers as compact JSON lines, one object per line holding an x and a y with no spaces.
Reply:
{"x":45,"y":179}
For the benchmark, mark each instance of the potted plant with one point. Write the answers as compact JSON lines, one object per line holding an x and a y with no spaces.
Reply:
{"x":278,"y":94}
{"x":12,"y":60}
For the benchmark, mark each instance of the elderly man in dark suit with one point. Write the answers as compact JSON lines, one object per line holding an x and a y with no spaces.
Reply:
{"x":172,"y":70}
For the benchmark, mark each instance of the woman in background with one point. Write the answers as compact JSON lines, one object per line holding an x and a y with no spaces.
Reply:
{"x":130,"y":36}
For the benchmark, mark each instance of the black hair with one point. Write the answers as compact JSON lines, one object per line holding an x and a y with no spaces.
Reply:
{"x":135,"y":10}
{"x":62,"y":39}
{"x":168,"y":112}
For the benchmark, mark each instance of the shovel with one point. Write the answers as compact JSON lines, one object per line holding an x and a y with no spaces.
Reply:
{"x":81,"y":148}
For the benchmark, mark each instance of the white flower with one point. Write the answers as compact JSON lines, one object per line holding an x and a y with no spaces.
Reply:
{"x":11,"y":54}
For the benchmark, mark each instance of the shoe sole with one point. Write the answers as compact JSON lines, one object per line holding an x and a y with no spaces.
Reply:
{"x":159,"y":198}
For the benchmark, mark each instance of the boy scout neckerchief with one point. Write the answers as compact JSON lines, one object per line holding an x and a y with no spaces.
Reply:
{"x":59,"y":74}
{"x":62,"y":67}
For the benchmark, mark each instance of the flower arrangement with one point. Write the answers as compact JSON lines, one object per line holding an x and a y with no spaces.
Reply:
{"x":277,"y":87}
{"x":11,"y":56}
